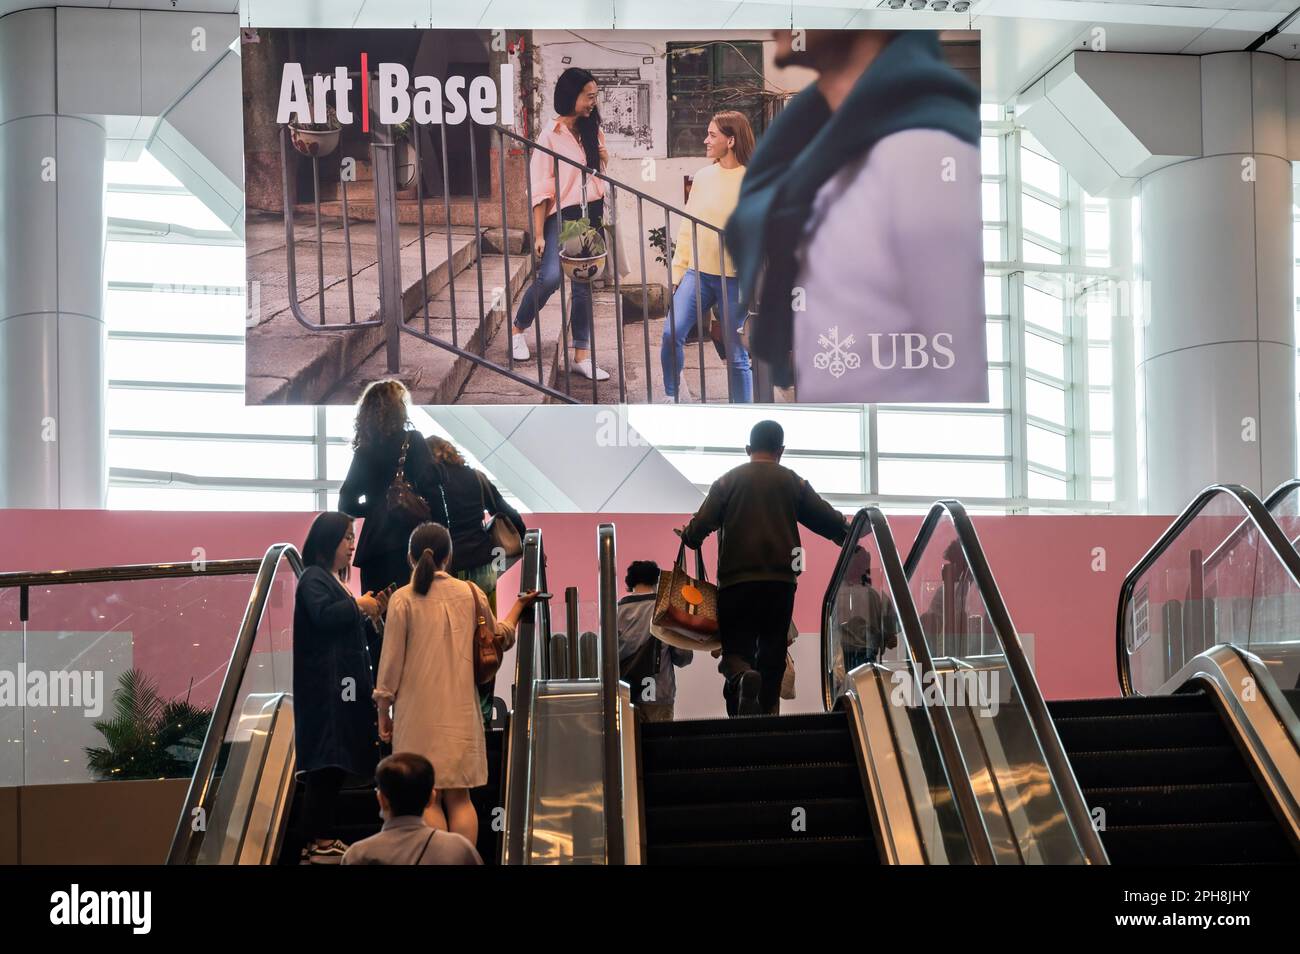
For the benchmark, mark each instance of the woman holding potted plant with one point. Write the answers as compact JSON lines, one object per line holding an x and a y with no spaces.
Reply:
{"x":575,"y":134}
{"x":698,"y":271}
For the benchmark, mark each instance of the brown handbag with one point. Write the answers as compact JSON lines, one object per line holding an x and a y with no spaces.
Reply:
{"x":687,"y":604}
{"x":402,"y":498}
{"x":487,"y":648}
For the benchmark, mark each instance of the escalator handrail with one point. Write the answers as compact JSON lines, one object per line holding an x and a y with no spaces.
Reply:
{"x":1256,"y":515}
{"x":1280,"y":492}
{"x":615,"y":849}
{"x":517,"y":784}
{"x":959,"y":777}
{"x":1022,"y":674}
{"x":201,"y":790}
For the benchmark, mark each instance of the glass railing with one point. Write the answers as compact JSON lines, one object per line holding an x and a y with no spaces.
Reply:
{"x":1029,"y":800}
{"x":119,"y":667}
{"x":226,"y":793}
{"x":873,"y":654}
{"x":1225,"y":572}
{"x":566,"y":785}
{"x":1283,"y":504}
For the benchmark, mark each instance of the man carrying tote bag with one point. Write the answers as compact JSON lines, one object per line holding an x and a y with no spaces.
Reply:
{"x":756,"y":509}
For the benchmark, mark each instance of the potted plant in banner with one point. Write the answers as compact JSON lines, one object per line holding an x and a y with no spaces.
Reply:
{"x":316,"y":139}
{"x":582,"y":250}
{"x":403,"y":155}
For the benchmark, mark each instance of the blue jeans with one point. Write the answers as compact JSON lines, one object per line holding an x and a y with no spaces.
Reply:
{"x":548,"y":280}
{"x":684,"y":317}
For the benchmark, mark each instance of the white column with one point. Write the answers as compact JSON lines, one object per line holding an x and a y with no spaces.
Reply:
{"x":1205,"y":144}
{"x":1216,"y":352}
{"x":52,"y":435}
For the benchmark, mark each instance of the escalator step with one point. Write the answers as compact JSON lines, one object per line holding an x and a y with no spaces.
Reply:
{"x":747,"y":748}
{"x":1226,"y":842}
{"x":752,"y":783}
{"x":1178,"y":804}
{"x":739,"y":821}
{"x":810,"y":721}
{"x":768,"y":851}
{"x":1131,"y":705}
{"x":1169,"y":766}
{"x":1160,"y":730}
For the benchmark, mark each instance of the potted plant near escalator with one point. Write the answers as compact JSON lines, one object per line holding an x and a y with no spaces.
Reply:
{"x":146,"y":735}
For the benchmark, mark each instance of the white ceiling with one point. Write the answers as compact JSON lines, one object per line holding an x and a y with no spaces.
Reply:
{"x":1022,"y":39}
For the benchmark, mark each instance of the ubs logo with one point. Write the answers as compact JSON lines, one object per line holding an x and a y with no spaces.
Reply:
{"x":912,"y":351}
{"x":907,"y":351}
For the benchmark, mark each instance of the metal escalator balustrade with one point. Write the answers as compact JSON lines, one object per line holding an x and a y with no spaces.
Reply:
{"x":238,"y":797}
{"x":566,"y":800}
{"x":854,"y":784}
{"x":1032,"y":808}
{"x":1201,"y":758}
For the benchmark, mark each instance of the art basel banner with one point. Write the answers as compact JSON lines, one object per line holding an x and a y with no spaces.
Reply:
{"x":528,"y":216}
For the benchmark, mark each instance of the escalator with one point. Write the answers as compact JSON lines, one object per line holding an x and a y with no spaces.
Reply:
{"x":869,"y":780}
{"x":244,"y":803}
{"x":1197,"y":761}
{"x":758,"y":790}
{"x":1169,"y":782}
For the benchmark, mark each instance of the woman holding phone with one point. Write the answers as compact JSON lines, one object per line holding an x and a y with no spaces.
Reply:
{"x":426,"y":695}
{"x":334,"y":727}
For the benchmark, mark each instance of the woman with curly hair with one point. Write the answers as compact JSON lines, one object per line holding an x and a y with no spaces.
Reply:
{"x":383,"y":443}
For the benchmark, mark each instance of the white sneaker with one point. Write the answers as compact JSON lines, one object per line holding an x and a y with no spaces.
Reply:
{"x":583,"y":367}
{"x":519,"y":347}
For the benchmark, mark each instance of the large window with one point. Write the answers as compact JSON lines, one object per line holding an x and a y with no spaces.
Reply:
{"x":179,"y":434}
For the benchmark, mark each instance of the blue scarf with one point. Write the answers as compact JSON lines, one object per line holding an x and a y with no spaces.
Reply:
{"x":907,"y":86}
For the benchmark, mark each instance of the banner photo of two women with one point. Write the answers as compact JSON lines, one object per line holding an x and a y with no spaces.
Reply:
{"x":612,"y":217}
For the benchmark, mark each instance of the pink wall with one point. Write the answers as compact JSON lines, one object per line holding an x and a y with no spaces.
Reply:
{"x":1044,"y":565}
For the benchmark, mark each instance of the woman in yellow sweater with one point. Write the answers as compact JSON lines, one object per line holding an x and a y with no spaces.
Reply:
{"x":715,"y":191}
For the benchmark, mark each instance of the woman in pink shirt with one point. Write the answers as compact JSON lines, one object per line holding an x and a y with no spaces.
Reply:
{"x":575,"y":134}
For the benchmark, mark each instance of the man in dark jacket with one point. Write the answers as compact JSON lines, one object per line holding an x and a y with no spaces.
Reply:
{"x":756,"y":508}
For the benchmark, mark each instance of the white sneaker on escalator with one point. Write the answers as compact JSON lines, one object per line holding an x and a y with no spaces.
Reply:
{"x":519,"y":347}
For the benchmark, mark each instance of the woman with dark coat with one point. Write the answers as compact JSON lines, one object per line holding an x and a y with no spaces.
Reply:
{"x":383,"y":433}
{"x":471,"y":499}
{"x":335,"y":731}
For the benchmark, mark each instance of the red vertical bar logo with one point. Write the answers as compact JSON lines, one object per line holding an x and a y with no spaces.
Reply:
{"x":365,"y":94}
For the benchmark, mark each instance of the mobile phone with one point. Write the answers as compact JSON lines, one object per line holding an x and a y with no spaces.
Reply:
{"x":538,"y":596}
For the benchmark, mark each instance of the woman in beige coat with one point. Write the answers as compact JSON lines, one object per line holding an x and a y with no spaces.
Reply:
{"x":425,"y":692}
